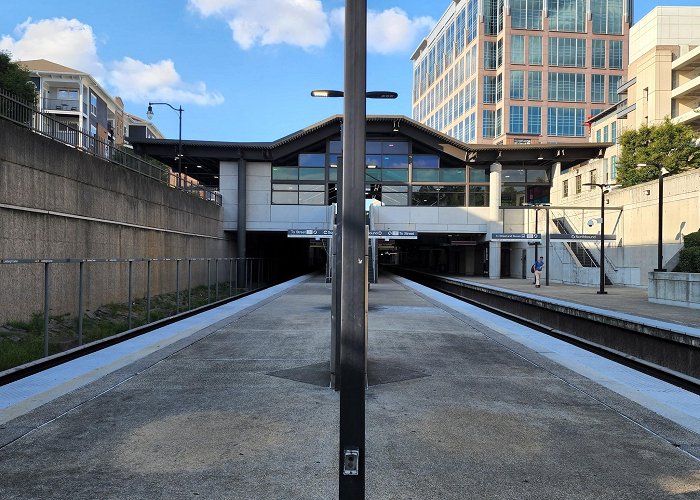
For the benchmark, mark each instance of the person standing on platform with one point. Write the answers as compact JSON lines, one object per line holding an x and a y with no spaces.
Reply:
{"x":539,"y":267}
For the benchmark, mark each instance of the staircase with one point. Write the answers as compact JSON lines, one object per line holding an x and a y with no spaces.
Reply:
{"x":579,"y":251}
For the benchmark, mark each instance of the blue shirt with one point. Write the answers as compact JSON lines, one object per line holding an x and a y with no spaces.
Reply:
{"x":539,"y":265}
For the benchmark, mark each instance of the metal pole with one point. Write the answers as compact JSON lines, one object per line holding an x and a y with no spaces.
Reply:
{"x":208,"y":281}
{"x":230,"y":277}
{"x":177,"y":286}
{"x":659,"y":247}
{"x":354,"y":248}
{"x":537,"y":218}
{"x":148,"y":291}
{"x":46,"y":309}
{"x":216,"y":275}
{"x":179,"y":147}
{"x":80,"y":303}
{"x":189,"y":284}
{"x":546,"y":250}
{"x":131,"y":262}
{"x":602,"y":240}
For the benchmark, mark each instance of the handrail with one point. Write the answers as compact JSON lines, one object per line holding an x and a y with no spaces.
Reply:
{"x":26,"y":115}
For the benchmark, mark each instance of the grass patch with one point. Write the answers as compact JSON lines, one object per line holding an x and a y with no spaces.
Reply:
{"x":23,"y":341}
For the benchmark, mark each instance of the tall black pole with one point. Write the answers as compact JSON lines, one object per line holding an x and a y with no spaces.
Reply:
{"x":179,"y":147}
{"x":537,"y":243}
{"x":546,"y":249}
{"x":602,"y":240}
{"x":659,"y":244}
{"x":353,"y":288}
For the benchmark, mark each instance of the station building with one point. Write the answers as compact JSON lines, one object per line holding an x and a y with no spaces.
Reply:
{"x":456,"y":196}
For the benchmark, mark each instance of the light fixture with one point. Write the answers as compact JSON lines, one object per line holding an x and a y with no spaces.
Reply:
{"x":396,"y":126}
{"x":540,"y":157}
{"x":647,"y":192}
{"x":149,"y":113}
{"x":199,"y":166}
{"x":373,"y":94}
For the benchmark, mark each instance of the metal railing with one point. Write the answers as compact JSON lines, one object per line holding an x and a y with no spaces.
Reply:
{"x":221,"y":279}
{"x":26,"y":115}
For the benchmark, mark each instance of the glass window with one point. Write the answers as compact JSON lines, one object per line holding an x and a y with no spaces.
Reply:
{"x":613,"y":132}
{"x":452,"y":174}
{"x":534,"y":85}
{"x":394,"y":161}
{"x":565,"y":122}
{"x":517,"y":49}
{"x":598,"y":50}
{"x":597,"y":135}
{"x":499,"y":122}
{"x":312,"y":160}
{"x":513,"y":196}
{"x":395,"y":195}
{"x":93,"y":104}
{"x":565,"y":188}
{"x":567,"y":52}
{"x":615,"y":54}
{"x":489,"y":89}
{"x":489,"y":55}
{"x":312,"y":174}
{"x":514,"y":175}
{"x":516,"y":120}
{"x":425,"y":175}
{"x":478,"y":196}
{"x":597,"y":88}
{"x":534,"y":50}
{"x":578,"y":184}
{"x":426,"y":161}
{"x":607,"y":16}
{"x":395,"y":175}
{"x":567,"y":15}
{"x":539,"y":176}
{"x":285,"y":198}
{"x":517,"y":84}
{"x":309,"y":195}
{"x":374,"y":148}
{"x":613,"y":168}
{"x":526,"y":14}
{"x":567,"y":87}
{"x":493,"y":16}
{"x":395,"y":147}
{"x":285,"y":173}
{"x":613,"y":83}
{"x":478,"y":175}
{"x":489,"y":126}
{"x":534,"y":120}
{"x":606,"y":138}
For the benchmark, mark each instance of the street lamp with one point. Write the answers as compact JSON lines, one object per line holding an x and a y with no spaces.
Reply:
{"x":372,"y":94}
{"x":179,"y":110}
{"x":545,"y":207}
{"x":602,"y":187}
{"x":659,"y":242}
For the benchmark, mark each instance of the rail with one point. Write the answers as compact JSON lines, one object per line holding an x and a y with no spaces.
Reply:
{"x":231,"y":277}
{"x":26,"y":115}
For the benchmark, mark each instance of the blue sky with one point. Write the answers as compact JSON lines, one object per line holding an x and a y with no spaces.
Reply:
{"x":241,"y":69}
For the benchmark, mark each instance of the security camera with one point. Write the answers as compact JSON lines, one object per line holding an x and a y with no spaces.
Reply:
{"x":590,"y":222}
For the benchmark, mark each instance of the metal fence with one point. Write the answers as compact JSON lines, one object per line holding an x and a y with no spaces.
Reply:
{"x":222,"y":278}
{"x":26,"y":115}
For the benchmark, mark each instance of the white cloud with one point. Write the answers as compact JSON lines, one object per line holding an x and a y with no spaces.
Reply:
{"x":301,"y":23}
{"x":64,"y":41}
{"x":389,"y":31}
{"x":71,"y":43}
{"x":137,"y":81}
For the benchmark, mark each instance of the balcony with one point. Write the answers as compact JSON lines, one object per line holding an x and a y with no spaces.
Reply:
{"x":689,"y":90}
{"x":50,"y":105}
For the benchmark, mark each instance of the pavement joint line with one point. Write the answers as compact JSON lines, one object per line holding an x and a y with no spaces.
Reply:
{"x":645,"y":398}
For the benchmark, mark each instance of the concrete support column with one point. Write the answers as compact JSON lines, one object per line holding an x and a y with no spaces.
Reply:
{"x":241,"y":229}
{"x":495,"y":222}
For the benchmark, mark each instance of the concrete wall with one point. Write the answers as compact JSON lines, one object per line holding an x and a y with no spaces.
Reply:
{"x":676,"y":289}
{"x":56,"y":202}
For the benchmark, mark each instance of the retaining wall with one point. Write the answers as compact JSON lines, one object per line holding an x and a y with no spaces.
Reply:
{"x":57,"y":202}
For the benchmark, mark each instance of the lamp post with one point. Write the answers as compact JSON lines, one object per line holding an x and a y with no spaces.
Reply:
{"x":659,"y":242}
{"x":353,"y":343}
{"x":602,"y":233}
{"x":179,"y":111}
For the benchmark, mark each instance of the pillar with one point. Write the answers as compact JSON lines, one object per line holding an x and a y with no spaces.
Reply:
{"x":495,"y":222}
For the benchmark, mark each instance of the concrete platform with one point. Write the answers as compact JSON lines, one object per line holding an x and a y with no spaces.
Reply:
{"x":457,"y":408}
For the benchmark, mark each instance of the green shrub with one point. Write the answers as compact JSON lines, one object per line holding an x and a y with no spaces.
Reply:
{"x":690,"y":260}
{"x":692,"y":240}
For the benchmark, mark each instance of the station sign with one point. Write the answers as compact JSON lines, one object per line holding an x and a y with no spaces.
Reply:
{"x":310,"y":233}
{"x":516,"y":236}
{"x":393,"y":235}
{"x":570,"y":238}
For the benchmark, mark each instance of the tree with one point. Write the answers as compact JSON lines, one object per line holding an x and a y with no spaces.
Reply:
{"x":16,"y":79}
{"x":666,"y":145}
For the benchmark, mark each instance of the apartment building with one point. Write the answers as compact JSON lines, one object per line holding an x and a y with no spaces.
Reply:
{"x":521,"y":71}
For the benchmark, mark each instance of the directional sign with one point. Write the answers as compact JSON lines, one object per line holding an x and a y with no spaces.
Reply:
{"x":569,"y":238}
{"x":393,"y":235}
{"x":516,"y":236}
{"x":309,"y":233}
